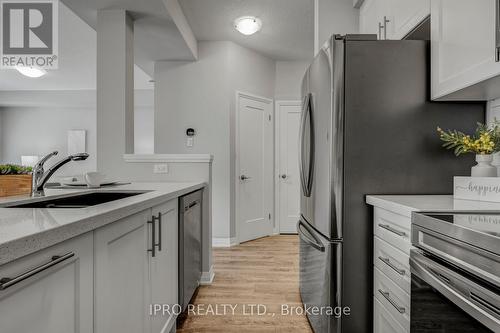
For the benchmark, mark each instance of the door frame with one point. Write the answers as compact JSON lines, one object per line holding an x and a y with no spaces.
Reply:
{"x":277,"y":166}
{"x":257,"y":98}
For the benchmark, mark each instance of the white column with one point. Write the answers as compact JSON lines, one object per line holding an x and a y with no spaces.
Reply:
{"x":115,"y":88}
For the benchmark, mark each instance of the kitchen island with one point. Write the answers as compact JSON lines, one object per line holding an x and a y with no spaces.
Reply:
{"x":101,"y":268}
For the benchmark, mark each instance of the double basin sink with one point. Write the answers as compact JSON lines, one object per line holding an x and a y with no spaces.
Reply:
{"x":74,"y":201}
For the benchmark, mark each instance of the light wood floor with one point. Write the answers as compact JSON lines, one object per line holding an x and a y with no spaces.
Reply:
{"x":264,"y":271}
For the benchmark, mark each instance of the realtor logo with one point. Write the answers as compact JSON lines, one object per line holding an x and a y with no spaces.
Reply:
{"x":29,"y":33}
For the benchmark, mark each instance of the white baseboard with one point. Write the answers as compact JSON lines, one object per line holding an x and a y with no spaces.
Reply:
{"x":224,"y":242}
{"x":288,"y":231}
{"x":207,"y":277}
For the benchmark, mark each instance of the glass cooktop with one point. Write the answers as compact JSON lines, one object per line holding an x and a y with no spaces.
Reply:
{"x":485,"y":223}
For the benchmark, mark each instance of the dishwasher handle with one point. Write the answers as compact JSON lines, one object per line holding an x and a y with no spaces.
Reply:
{"x":191,"y":205}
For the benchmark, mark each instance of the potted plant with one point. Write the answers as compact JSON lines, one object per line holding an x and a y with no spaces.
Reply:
{"x":14,"y":180}
{"x":484,"y":143}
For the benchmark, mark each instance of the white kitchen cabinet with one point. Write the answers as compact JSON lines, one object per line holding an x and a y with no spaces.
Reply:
{"x":391,"y":270}
{"x":164,"y":266}
{"x":405,"y":15}
{"x":130,"y":278}
{"x":392,"y":19}
{"x":58,"y":297}
{"x":394,"y":299}
{"x":122,"y":275}
{"x":383,"y":321}
{"x":463,"y":48}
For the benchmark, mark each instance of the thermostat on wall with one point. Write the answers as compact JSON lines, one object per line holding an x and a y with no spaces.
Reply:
{"x":190,"y":132}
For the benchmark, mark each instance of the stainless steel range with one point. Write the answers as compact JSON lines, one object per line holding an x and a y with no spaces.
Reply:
{"x":455,"y":280}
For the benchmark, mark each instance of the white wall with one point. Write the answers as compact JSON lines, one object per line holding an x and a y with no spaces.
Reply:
{"x":250,"y":72}
{"x":38,"y":131}
{"x":195,"y":94}
{"x":144,"y":130}
{"x":334,"y":17}
{"x":201,"y":95}
{"x":289,"y":76}
{"x":36,"y":122}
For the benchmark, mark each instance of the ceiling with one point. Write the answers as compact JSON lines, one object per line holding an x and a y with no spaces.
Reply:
{"x":77,"y":61}
{"x":156,"y":37}
{"x":287,"y":25}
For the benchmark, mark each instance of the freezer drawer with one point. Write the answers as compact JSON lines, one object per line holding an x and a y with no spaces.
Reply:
{"x":319,"y":277}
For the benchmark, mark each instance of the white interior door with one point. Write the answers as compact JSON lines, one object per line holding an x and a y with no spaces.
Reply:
{"x":288,"y":182}
{"x":254,"y":151}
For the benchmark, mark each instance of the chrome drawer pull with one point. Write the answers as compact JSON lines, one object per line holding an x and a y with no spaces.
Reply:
{"x":9,"y":282}
{"x":153,"y":237}
{"x":391,"y":265}
{"x":393,"y":302}
{"x":159,"y":231}
{"x":391,"y":229}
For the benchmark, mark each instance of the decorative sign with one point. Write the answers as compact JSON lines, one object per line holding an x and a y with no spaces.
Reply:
{"x":477,"y":188}
{"x":76,"y":142}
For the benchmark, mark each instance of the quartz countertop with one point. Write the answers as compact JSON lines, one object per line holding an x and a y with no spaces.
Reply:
{"x":406,"y":204}
{"x":27,"y":230}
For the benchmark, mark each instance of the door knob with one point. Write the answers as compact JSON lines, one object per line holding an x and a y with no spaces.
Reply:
{"x":243,"y":177}
{"x":284,"y":176}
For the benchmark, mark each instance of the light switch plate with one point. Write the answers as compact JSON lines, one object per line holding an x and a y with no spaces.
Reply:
{"x":160,"y":168}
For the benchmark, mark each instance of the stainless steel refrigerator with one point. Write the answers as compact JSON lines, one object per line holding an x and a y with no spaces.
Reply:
{"x":367,"y":127}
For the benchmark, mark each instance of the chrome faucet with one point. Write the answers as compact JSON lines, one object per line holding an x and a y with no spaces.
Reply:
{"x":40,"y":177}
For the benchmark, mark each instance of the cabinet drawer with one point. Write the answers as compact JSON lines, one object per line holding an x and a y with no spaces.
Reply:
{"x":394,"y":299}
{"x":393,"y":228}
{"x":383,"y":321}
{"x":393,"y":263}
{"x":164,"y":208}
{"x":50,"y":290}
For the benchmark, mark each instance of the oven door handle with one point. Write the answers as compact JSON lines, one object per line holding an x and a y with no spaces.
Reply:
{"x":439,"y":277}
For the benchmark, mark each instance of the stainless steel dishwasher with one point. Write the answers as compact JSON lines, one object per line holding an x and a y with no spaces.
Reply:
{"x":190,"y":219}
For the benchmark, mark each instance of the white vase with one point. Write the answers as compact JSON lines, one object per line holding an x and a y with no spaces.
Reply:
{"x":484,"y":167}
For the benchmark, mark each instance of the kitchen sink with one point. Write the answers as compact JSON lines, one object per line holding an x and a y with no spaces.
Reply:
{"x":76,"y":201}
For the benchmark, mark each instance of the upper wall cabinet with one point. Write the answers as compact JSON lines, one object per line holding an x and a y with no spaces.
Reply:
{"x":464,"y":49}
{"x":392,"y":19}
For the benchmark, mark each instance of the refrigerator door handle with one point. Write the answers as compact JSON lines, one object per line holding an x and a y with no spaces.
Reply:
{"x":315,"y":242}
{"x":310,"y":112}
{"x":301,"y":140}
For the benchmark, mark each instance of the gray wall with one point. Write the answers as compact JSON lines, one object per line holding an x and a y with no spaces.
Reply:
{"x":38,"y":131}
{"x":250,"y":72}
{"x":36,"y":122}
{"x":336,"y":17}
{"x":202,"y":95}
{"x":289,"y":76}
{"x":144,"y":130}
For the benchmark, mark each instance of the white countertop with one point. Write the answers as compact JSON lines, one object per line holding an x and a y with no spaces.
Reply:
{"x":405,"y":204}
{"x":27,"y":230}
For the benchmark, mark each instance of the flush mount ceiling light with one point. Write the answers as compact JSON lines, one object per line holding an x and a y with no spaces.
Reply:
{"x":33,"y":72}
{"x":248,"y":25}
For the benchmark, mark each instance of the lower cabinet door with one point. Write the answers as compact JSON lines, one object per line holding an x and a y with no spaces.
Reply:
{"x":164,"y":268}
{"x":122,"y":296}
{"x":57,"y":294}
{"x":383,"y":321}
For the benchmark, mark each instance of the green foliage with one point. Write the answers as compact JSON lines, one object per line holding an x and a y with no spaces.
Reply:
{"x":12,"y":169}
{"x":485,"y":140}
